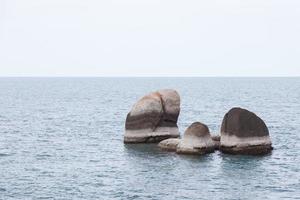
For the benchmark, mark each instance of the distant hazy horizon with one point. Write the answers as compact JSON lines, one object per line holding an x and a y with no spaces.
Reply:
{"x":150,"y":38}
{"x":145,"y":76}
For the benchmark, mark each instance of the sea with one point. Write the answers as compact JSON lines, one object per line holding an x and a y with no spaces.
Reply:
{"x":62,"y":138}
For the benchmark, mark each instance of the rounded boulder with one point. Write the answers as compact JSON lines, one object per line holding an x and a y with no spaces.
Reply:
{"x":196,"y":140}
{"x":243,"y":132}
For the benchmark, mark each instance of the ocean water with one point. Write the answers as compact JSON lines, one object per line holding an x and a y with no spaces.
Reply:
{"x":62,"y":138}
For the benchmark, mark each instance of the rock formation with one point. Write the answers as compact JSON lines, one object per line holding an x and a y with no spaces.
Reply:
{"x":169,"y":144}
{"x":196,"y":140}
{"x":243,"y":132}
{"x":153,"y":118}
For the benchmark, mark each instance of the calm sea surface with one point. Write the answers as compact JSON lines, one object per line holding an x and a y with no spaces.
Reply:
{"x":62,"y":138}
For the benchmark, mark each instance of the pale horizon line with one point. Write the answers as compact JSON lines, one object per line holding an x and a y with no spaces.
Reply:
{"x":143,"y":76}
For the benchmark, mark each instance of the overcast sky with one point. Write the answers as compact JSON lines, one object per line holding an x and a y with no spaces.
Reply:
{"x":149,"y":38}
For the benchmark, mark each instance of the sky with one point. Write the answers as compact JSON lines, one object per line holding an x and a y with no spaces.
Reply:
{"x":150,"y":38}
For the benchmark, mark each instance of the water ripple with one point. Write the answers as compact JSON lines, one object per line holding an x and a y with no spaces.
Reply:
{"x":63,"y":139}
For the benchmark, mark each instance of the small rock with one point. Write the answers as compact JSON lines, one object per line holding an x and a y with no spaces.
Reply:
{"x":216,"y":139}
{"x":169,"y":144}
{"x":196,"y":140}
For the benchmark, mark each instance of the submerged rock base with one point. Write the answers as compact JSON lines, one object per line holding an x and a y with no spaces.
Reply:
{"x":249,"y":150}
{"x":148,"y":136}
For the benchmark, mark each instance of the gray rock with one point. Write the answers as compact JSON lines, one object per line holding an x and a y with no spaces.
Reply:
{"x":169,"y":144}
{"x":216,"y":139}
{"x":196,"y":140}
{"x":243,"y":132}
{"x":153,"y":118}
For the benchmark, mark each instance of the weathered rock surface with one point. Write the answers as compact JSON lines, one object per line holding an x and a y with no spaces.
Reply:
{"x":243,"y":132}
{"x":196,"y":140}
{"x":169,"y":144}
{"x":153,"y":118}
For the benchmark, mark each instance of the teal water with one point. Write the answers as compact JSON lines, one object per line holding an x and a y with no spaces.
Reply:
{"x":62,"y":138}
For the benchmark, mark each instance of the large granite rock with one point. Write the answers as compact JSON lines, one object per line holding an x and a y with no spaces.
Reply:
{"x":196,"y":140}
{"x":243,"y":132}
{"x":153,"y":118}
